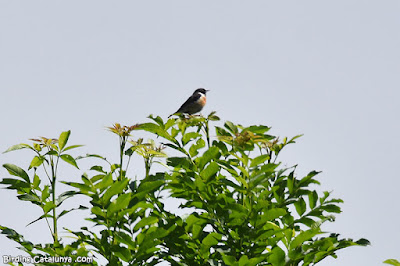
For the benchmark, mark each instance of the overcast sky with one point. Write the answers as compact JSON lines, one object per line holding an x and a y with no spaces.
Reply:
{"x":325,"y":69}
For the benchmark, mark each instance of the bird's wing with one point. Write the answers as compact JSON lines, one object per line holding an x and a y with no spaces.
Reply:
{"x":190,"y":100}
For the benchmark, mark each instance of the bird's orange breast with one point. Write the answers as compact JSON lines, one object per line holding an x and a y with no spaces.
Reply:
{"x":202,"y":100}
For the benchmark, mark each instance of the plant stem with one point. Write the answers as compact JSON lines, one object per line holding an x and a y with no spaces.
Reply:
{"x":53,"y":192}
{"x":207,"y":133}
{"x":147,"y":164}
{"x":121,"y":155}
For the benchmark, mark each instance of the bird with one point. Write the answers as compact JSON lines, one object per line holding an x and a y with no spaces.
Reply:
{"x":194,"y":103}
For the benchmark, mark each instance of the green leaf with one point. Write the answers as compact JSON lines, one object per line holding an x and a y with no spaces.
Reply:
{"x":223,"y":134}
{"x":37,"y":147}
{"x":82,"y":187}
{"x":242,"y":181}
{"x":244,"y":260}
{"x":179,"y":162}
{"x":210,"y":240}
{"x":120,"y":203}
{"x":98,"y":169}
{"x":18,"y":147}
{"x":259,"y":160}
{"x":305,"y":181}
{"x":16,"y":171}
{"x":258,"y":129}
{"x":52,"y":152}
{"x":304,"y":236}
{"x":36,"y":161}
{"x":323,"y":199}
{"x":306,"y":221}
{"x":158,"y":130}
{"x":13,"y":235}
{"x":392,"y":262}
{"x":126,"y":239}
{"x":45,"y":193}
{"x":291,"y":183}
{"x":272,"y":214}
{"x":213,"y":118}
{"x":123,"y":253}
{"x":157,"y":119}
{"x":312,"y":199}
{"x":148,"y":187}
{"x":194,"y":149}
{"x":263,"y":176}
{"x":98,"y":211}
{"x":176,"y":147}
{"x":292,"y":140}
{"x":209,"y":171}
{"x":64,"y":212}
{"x":38,"y":219}
{"x":48,"y":206}
{"x":65,"y":195}
{"x":91,"y":155}
{"x":229,"y":260}
{"x":116,"y":188}
{"x":331,"y":208}
{"x":36,"y":181}
{"x":192,"y":220}
{"x":105,"y":182}
{"x":277,"y":257}
{"x":145,"y":221}
{"x":363,"y":242}
{"x":189,"y":136}
{"x":300,"y":206}
{"x":169,"y":123}
{"x":29,"y":197}
{"x":211,"y":154}
{"x":63,"y":139}
{"x":255,"y":261}
{"x":16,"y":184}
{"x":231,"y":127}
{"x":72,"y":147}
{"x":68,"y":158}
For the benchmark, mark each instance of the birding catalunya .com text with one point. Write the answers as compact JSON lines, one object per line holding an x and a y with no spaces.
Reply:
{"x":38,"y":259}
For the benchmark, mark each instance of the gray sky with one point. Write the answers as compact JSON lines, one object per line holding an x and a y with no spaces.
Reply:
{"x":328,"y":69}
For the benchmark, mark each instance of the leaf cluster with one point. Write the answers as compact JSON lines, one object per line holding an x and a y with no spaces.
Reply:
{"x":246,"y":209}
{"x":243,"y":207}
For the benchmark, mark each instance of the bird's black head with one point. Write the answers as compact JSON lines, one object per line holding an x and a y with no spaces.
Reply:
{"x":201,"y":90}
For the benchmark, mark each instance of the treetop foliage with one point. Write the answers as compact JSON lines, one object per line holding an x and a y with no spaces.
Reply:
{"x":243,"y":207}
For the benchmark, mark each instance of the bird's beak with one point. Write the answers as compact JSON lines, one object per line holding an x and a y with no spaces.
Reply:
{"x":207,"y":90}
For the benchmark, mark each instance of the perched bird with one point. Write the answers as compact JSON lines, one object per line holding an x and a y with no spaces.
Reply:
{"x":194,"y":104}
